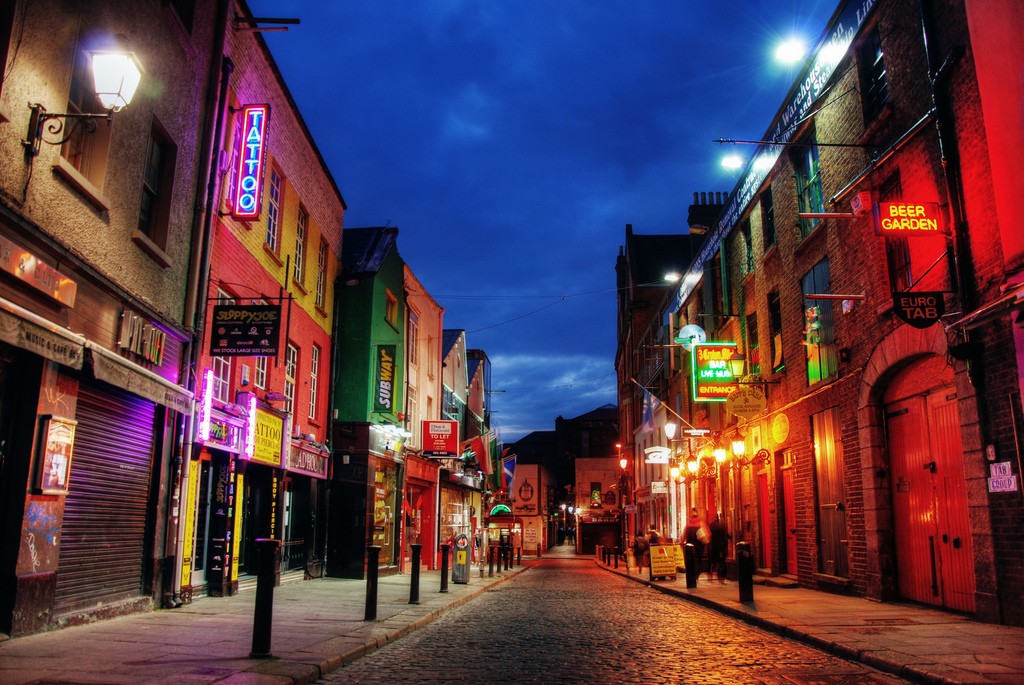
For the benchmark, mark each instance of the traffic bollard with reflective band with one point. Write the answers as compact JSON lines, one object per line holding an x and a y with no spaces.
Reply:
{"x":372,"y":562}
{"x":745,"y":571}
{"x":414,"y":585}
{"x":444,"y":567}
{"x":690,"y":561}
{"x":263,"y":615}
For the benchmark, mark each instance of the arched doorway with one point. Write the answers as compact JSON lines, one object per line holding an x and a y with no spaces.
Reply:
{"x":934,"y":556}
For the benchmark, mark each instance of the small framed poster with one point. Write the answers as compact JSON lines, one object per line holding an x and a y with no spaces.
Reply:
{"x":57,"y":447}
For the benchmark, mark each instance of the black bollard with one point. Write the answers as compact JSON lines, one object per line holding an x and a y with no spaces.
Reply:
{"x":491,"y":551}
{"x":444,"y":568}
{"x":414,"y":586}
{"x":745,"y":571}
{"x":615,"y":551}
{"x":263,"y":616}
{"x":372,"y":567}
{"x":690,"y":561}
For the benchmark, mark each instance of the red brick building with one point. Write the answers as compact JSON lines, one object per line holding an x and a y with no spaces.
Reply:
{"x":864,"y":273}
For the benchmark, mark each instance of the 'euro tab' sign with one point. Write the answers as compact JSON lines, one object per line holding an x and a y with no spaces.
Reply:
{"x":247,"y":200}
{"x":908,"y":219}
{"x":712,"y":378}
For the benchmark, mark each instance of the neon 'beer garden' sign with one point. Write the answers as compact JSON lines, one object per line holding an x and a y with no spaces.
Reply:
{"x":248,"y":196}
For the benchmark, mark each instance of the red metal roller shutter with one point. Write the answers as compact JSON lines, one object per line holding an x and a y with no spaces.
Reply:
{"x":105,"y":514}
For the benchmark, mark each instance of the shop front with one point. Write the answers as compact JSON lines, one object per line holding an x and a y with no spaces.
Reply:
{"x":305,"y":472}
{"x":420,"y":510}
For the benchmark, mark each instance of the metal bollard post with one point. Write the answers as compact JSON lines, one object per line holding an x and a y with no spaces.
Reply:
{"x":615,"y":552}
{"x":263,"y":615}
{"x":414,"y":586}
{"x":519,"y":556}
{"x":491,"y":550}
{"x":372,"y":567}
{"x":745,"y":571}
{"x":690,"y":561}
{"x":444,"y":567}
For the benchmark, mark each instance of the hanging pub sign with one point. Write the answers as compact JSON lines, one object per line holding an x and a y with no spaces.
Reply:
{"x":907,"y":219}
{"x":384,"y":397}
{"x":247,"y":199}
{"x":713,"y":380}
{"x":919,"y":309}
{"x":245,"y":330}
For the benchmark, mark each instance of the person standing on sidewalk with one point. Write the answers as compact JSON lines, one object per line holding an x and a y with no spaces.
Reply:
{"x":692,"y":536}
{"x":717,"y":548}
{"x":640,"y":549}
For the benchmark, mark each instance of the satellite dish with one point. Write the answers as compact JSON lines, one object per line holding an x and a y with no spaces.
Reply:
{"x":689,"y":335}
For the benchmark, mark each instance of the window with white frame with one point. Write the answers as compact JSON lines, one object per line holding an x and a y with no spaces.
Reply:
{"x":413,"y":334}
{"x":87,"y":147}
{"x":321,"y":275}
{"x":291,"y":370}
{"x":274,"y":212}
{"x":222,"y":365}
{"x":301,"y":228}
{"x":260,"y":375}
{"x":314,"y":380}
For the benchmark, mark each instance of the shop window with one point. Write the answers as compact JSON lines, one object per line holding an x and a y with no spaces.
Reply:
{"x":807,"y":169}
{"x":819,"y":326}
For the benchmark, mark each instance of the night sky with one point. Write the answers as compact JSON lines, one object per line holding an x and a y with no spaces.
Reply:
{"x":511,"y":141}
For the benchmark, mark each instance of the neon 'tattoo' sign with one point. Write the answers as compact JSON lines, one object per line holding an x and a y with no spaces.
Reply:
{"x":248,"y":196}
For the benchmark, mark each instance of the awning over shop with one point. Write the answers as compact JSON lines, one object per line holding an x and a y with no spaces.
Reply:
{"x":29,"y":331}
{"x":128,"y":375}
{"x":1012,"y":299}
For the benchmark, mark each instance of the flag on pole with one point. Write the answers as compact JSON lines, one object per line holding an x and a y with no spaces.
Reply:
{"x":486,"y":457}
{"x":650,"y":404}
{"x":508,"y":469}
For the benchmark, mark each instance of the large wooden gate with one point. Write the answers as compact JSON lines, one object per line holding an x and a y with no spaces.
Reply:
{"x":934,"y":556}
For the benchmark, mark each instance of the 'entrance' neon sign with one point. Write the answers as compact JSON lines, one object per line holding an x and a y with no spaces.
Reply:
{"x":248,"y":197}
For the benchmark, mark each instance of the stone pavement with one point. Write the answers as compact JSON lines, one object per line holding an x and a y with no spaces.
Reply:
{"x":912,"y":641}
{"x":318,"y":625}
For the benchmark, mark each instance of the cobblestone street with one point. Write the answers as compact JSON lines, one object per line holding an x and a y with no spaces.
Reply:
{"x":567,"y":621}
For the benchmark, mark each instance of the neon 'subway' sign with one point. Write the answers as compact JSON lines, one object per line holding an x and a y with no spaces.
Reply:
{"x":248,"y":196}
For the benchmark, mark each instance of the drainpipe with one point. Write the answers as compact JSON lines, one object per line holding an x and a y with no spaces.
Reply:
{"x":221,"y":68}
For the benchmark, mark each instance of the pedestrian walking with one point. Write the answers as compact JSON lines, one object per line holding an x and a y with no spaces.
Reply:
{"x":641,"y":547}
{"x":717,"y":548}
{"x":698,"y":534}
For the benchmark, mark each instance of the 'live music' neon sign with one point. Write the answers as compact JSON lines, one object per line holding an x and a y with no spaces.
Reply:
{"x":248,"y":198}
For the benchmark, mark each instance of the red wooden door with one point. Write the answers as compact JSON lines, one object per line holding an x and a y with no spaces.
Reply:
{"x":933,"y":545}
{"x":764,"y":521}
{"x":789,"y":518}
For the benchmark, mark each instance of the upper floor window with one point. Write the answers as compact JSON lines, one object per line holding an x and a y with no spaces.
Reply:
{"x":775,"y":330}
{"x":222,"y":365}
{"x":291,"y":372}
{"x":314,"y":381}
{"x":391,"y":309}
{"x":87,"y":148}
{"x":874,"y":76}
{"x":897,"y":247}
{"x":301,"y":229}
{"x":807,"y":169}
{"x":819,"y":326}
{"x":753,"y":346}
{"x":747,"y":248}
{"x":321,"y":275}
{"x":274,"y":212}
{"x":260,"y":374}
{"x":186,"y":11}
{"x":157,"y":185}
{"x":767,"y":219}
{"x":413,"y":334}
